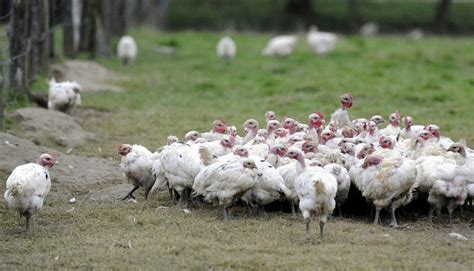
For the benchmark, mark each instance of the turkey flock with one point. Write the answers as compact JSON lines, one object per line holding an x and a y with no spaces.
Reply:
{"x":309,"y":166}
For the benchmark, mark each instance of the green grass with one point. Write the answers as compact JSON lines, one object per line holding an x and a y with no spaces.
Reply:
{"x":430,"y":80}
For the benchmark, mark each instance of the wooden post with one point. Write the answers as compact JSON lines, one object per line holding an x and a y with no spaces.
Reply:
{"x":19,"y":46}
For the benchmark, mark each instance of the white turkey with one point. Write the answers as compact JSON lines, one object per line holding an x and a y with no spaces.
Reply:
{"x":340,"y":115}
{"x":28,"y":185}
{"x":377,"y":119}
{"x":392,"y":128}
{"x":251,"y":128}
{"x":276,"y":156}
{"x":126,"y":50}
{"x":269,"y":186}
{"x":386,"y":182}
{"x":321,"y":42}
{"x":270,"y":115}
{"x":369,"y":29}
{"x":63,"y":96}
{"x":225,"y":181}
{"x":281,"y":46}
{"x":316,"y":189}
{"x":136,"y":165}
{"x":219,"y":129}
{"x":180,"y":164}
{"x":226,"y":49}
{"x":450,"y":192}
{"x":343,"y":183}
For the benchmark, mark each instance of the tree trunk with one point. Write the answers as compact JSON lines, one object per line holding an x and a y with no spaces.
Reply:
{"x":114,"y":18}
{"x":19,"y":47}
{"x":68,"y":30}
{"x":101,"y":44}
{"x":353,"y":15}
{"x":441,"y":20}
{"x":52,"y":23}
{"x":2,"y":107}
{"x":161,"y":7}
{"x":300,"y":13}
{"x":299,"y":7}
{"x":88,"y":27}
{"x":39,"y":36}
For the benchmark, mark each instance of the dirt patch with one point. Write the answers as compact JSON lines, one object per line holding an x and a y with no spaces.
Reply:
{"x":73,"y":176}
{"x":42,"y":125}
{"x":90,"y":75}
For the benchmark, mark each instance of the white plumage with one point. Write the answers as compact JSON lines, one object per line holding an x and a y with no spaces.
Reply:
{"x":447,"y":192}
{"x":136,"y":164}
{"x":268,"y":187}
{"x":226,"y":49}
{"x":386,"y":182}
{"x":340,"y":116}
{"x":343,"y":183}
{"x":282,"y":46}
{"x":63,"y":96}
{"x":321,"y":42}
{"x":316,"y":189}
{"x":224,"y":181}
{"x":126,"y":49}
{"x":180,"y":164}
{"x":28,"y":185}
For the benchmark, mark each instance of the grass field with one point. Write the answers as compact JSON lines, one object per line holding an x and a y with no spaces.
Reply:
{"x":430,"y":80}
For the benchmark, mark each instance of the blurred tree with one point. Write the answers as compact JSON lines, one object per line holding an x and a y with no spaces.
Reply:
{"x":353,"y":15}
{"x":301,"y":11}
{"x":2,"y":87}
{"x":68,"y":31}
{"x":88,"y":27}
{"x":19,"y":43}
{"x":441,"y":20}
{"x":39,"y":36}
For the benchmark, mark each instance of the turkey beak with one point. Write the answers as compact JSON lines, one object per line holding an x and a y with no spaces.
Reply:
{"x":56,"y":162}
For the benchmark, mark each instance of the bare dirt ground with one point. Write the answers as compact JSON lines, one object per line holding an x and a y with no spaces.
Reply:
{"x":42,"y":125}
{"x":73,"y":176}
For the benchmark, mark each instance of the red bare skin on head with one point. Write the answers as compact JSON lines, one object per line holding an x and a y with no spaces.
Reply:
{"x":48,"y":160}
{"x":346,"y":100}
{"x":242,"y":152}
{"x":308,"y":146}
{"x":407,"y":122}
{"x":315,"y":120}
{"x":395,"y":119}
{"x":281,"y":132}
{"x":124,"y":149}
{"x":219,"y":126}
{"x":433,"y":130}
{"x":270,"y":115}
{"x":348,"y":132}
{"x":289,"y":123}
{"x":372,"y":160}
